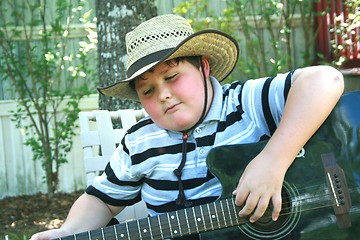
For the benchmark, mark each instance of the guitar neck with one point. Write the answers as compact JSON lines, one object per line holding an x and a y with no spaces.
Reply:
{"x":212,"y":216}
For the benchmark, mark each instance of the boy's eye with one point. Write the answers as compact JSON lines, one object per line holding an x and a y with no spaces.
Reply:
{"x":147,"y":91}
{"x":171,"y":76}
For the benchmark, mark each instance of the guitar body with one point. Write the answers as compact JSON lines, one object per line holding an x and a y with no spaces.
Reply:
{"x":308,"y":199}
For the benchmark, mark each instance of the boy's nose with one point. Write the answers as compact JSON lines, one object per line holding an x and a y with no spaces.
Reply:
{"x":165,"y":93}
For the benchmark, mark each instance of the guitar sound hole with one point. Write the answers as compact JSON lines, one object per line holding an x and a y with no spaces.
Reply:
{"x":266,"y":221}
{"x":266,"y":228}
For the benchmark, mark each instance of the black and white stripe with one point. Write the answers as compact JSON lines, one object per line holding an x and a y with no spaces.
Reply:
{"x":142,"y":166}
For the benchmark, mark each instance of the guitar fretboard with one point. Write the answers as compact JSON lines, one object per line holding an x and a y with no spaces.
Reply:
{"x":212,"y":216}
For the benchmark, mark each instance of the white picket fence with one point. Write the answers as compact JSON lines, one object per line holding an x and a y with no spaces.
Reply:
{"x":19,"y":174}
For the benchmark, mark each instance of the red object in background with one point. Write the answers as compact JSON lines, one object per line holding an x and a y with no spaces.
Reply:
{"x":330,"y":15}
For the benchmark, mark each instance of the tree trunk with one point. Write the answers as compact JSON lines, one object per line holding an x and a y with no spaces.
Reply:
{"x":114,"y":20}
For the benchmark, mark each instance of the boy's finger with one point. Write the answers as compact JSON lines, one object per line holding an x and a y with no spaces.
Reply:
{"x":277,"y":202}
{"x":251,"y":202}
{"x":260,"y":209}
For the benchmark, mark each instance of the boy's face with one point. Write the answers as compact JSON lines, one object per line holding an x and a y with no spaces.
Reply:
{"x":173,"y":94}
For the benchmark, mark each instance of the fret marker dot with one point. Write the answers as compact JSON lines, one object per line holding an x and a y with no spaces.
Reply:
{"x":172,"y":217}
{"x":122,"y":235}
{"x":199,"y":219}
{"x":175,"y":231}
{"x":145,"y":230}
{"x":213,"y":216}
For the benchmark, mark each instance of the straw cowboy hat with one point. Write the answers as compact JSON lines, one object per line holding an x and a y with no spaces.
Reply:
{"x":170,"y":36}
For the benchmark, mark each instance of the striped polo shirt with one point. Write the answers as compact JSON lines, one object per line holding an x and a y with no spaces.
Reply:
{"x":143,"y":164}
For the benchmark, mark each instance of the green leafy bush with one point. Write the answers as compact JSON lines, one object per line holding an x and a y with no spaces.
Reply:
{"x":48,"y":72}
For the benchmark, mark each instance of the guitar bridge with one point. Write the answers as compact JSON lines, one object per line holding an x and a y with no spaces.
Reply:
{"x":338,"y":186}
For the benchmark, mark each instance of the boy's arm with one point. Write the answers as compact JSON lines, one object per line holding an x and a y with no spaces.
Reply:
{"x":87,"y":213}
{"x":314,"y":93}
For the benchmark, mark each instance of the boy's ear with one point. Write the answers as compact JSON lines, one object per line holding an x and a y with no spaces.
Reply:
{"x":206,"y":65}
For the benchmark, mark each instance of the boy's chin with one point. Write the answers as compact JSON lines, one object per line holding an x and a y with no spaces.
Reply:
{"x":178,"y":125}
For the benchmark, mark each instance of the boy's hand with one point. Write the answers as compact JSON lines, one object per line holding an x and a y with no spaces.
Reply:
{"x":49,"y":234}
{"x":260,"y":182}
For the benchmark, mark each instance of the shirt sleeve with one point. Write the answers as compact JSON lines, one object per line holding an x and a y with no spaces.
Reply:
{"x":264,"y":100}
{"x":118,"y":185}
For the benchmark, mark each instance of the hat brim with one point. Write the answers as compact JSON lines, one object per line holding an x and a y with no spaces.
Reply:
{"x":220,"y":49}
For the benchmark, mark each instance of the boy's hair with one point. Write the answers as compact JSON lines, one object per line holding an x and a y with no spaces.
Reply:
{"x":194,"y":60}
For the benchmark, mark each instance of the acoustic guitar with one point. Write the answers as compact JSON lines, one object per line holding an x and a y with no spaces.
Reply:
{"x":320,"y":195}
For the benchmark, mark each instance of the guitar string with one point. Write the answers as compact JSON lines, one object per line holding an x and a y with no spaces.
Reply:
{"x":191,"y":218}
{"x":167,"y":228}
{"x":316,"y":205}
{"x":237,"y":219}
{"x":317,"y":191}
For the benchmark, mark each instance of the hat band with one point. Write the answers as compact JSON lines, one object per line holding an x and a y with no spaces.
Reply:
{"x":148,"y":59}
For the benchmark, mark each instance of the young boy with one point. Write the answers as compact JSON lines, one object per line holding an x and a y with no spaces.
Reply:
{"x":175,"y":73}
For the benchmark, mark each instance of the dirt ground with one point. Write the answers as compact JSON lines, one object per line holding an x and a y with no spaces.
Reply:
{"x":30,"y":214}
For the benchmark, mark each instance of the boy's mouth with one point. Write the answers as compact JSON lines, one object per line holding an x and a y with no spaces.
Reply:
{"x":172,"y":108}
